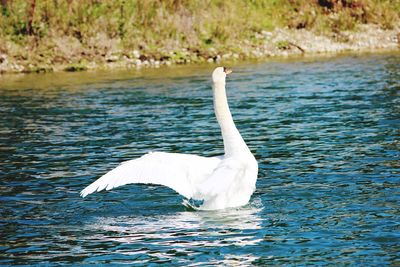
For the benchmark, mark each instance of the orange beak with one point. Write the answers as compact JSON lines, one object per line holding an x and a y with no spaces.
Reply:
{"x":227,"y":71}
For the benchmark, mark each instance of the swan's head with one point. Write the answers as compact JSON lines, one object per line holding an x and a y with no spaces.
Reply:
{"x":219,"y":74}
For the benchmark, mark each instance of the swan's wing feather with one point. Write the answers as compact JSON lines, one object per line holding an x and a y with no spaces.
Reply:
{"x":180,"y":172}
{"x":221,"y":179}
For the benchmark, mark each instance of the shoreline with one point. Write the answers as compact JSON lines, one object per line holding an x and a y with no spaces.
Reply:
{"x":72,"y":80}
{"x":279,"y":43}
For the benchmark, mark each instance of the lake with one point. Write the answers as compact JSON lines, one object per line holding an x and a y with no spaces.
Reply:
{"x":325,"y":132}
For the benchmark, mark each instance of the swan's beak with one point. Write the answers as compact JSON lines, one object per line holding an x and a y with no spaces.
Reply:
{"x":227,"y":71}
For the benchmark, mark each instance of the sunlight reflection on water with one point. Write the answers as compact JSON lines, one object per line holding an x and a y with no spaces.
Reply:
{"x":185,"y":232}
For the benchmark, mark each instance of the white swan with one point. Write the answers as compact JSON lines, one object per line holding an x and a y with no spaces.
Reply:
{"x":221,"y":182}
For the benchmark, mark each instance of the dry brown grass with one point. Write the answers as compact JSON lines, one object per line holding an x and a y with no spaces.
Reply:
{"x":71,"y":30}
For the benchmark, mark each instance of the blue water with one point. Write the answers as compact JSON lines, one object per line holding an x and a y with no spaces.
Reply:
{"x":326,"y":134}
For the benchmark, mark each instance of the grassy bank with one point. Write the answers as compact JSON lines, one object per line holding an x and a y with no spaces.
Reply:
{"x":72,"y":35}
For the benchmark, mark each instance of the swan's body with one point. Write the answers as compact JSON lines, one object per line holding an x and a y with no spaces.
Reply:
{"x":221,"y":182}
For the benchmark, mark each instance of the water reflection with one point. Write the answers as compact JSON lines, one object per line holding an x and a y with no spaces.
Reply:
{"x":165,"y":228}
{"x":169,"y":237}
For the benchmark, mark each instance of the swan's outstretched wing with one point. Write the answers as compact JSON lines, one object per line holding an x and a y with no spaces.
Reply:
{"x":181,"y":172}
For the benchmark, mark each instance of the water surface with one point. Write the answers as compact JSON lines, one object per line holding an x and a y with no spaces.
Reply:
{"x":324,"y":131}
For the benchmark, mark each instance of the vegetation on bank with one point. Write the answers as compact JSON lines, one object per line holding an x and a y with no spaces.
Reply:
{"x":41,"y":34}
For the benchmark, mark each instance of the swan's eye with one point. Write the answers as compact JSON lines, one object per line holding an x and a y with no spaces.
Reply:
{"x":227,"y":71}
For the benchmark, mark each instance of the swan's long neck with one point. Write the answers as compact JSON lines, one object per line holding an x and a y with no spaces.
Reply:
{"x":233,"y":141}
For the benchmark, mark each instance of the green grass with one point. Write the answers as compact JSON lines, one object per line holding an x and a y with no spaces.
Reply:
{"x":75,"y":67}
{"x":70,"y":30}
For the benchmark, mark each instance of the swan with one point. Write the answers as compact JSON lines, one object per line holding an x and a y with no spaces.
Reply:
{"x":219,"y":182}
